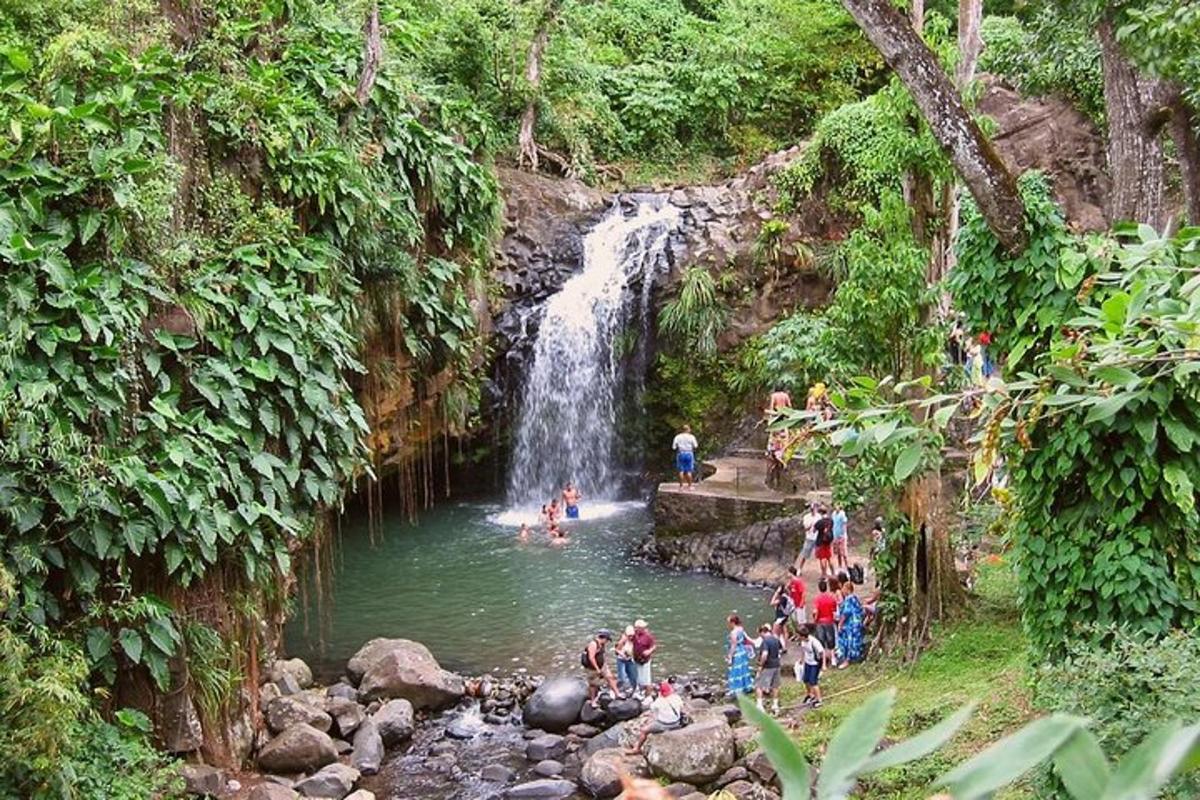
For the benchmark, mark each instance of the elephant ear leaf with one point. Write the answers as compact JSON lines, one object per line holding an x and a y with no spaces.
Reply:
{"x":1011,"y":757}
{"x":1148,"y":767}
{"x":785,"y":757}
{"x":853,"y":743}
{"x":922,"y":744}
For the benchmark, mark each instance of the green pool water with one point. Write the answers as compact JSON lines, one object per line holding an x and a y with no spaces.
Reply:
{"x":462,"y":583}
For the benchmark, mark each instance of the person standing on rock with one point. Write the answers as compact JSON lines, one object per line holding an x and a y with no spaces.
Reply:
{"x":737,"y":656}
{"x":571,"y":498}
{"x":841,"y":543}
{"x":767,"y":682}
{"x":598,"y":674}
{"x":626,"y":669}
{"x":667,"y":711}
{"x":685,"y":445}
{"x":644,"y":645}
{"x":809,"y":522}
{"x":824,"y":542}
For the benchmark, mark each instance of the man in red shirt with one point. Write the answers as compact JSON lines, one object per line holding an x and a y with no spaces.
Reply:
{"x":825,"y":612}
{"x":797,"y":591}
{"x":644,"y":646}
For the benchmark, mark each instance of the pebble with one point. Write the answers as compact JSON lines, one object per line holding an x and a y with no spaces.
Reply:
{"x":549,"y":768}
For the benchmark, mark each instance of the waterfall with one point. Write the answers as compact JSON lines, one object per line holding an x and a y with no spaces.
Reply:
{"x":571,"y":397}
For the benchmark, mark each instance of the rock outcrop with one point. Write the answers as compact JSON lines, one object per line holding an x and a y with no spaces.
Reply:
{"x":300,"y":748}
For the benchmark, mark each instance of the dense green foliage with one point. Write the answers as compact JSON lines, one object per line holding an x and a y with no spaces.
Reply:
{"x":644,"y":80}
{"x":187,"y":218}
{"x":1124,"y":689}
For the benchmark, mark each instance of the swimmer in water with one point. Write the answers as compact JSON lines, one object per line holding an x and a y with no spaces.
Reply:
{"x":571,"y":498}
{"x":523,"y":534}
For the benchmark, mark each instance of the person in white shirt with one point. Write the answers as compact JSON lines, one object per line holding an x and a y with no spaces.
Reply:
{"x":667,"y":716}
{"x":809,"y":521}
{"x":814,"y":654}
{"x":684,"y":446}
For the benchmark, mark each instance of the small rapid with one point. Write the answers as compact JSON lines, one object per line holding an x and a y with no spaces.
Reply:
{"x":589,"y":351}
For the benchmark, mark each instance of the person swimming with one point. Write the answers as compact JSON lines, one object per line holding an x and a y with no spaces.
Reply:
{"x":557,"y":535}
{"x":523,"y":534}
{"x":571,"y":498}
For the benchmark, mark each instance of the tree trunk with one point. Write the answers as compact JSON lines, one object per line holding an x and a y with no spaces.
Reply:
{"x":970,"y":43}
{"x":973,"y":157}
{"x":372,"y":56}
{"x":526,"y":141}
{"x":1187,"y":150}
{"x":1133,"y":103}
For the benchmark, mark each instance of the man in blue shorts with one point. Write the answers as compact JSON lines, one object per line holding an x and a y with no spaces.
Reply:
{"x":684,"y":446}
{"x":571,"y":497}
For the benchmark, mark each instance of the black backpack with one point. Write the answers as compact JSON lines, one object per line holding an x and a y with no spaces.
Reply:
{"x":824,"y":532}
{"x":856,"y":573}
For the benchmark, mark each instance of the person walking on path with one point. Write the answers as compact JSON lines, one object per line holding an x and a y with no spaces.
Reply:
{"x":685,"y":446}
{"x":598,"y":673}
{"x":626,"y":669}
{"x":824,"y":542}
{"x":767,"y":682}
{"x":850,"y":627}
{"x":841,"y":543}
{"x":813,"y":656}
{"x":667,"y":715}
{"x":809,"y":522}
{"x":644,"y":646}
{"x":825,"y":616}
{"x":737,"y":656}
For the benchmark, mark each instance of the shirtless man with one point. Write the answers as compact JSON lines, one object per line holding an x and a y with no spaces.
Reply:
{"x":571,"y":498}
{"x":554,"y":510}
{"x":779,"y":399}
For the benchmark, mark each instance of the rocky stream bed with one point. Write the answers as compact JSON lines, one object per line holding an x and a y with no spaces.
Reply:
{"x":398,"y":726}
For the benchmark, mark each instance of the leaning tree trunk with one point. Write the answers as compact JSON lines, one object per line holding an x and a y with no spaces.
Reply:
{"x":526,"y":141}
{"x":1134,"y":104}
{"x":1187,"y":149}
{"x":973,"y":157}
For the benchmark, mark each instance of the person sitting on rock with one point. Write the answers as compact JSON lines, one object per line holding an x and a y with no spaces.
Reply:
{"x":598,"y":673}
{"x":666,"y":715}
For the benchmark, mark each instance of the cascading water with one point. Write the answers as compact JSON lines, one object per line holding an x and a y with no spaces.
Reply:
{"x":570,"y":401}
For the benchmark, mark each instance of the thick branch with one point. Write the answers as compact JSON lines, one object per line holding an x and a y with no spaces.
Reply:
{"x":372,"y":56}
{"x":527,"y":144}
{"x":973,"y":157}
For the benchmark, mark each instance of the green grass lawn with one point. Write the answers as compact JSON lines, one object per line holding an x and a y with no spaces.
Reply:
{"x":979,"y":656}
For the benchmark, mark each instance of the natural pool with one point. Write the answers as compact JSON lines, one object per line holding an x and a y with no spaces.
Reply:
{"x":460,"y":582}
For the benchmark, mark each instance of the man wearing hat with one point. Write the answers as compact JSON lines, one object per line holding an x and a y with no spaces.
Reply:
{"x":598,"y":673}
{"x":644,"y":646}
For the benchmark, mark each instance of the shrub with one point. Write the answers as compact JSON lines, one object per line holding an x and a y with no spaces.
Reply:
{"x":1126,"y":685}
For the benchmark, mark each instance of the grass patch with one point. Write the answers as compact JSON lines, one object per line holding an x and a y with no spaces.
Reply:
{"x":980,"y":656}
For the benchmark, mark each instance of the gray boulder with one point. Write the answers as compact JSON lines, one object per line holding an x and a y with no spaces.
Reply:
{"x":550,"y":745}
{"x":284,"y":712}
{"x":548,"y":768}
{"x":343,"y":690}
{"x":300,"y":748}
{"x":347,"y":715}
{"x":610,"y":738}
{"x":622,"y":710}
{"x":272,"y":791}
{"x":556,"y":704}
{"x":601,"y":775}
{"x":294,"y":667}
{"x":368,"y":748}
{"x":697,"y":754}
{"x":497,"y":773}
{"x":399,"y":668}
{"x":361,"y":794}
{"x":202,"y":780}
{"x":544,"y":789}
{"x":394,"y":719}
{"x":334,"y":781}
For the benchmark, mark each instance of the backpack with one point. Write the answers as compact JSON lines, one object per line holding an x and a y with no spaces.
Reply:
{"x":857,"y":576}
{"x":786,"y":604}
{"x":825,"y":534}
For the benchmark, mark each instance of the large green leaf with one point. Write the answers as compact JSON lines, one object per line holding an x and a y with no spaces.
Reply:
{"x":853,"y":743}
{"x":1081,"y":765}
{"x":908,"y":460}
{"x":1011,"y":757}
{"x":1148,"y":767}
{"x":131,"y":643}
{"x":922,"y":744}
{"x":794,"y":772}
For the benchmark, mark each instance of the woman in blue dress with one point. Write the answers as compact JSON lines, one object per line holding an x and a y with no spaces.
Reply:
{"x":850,"y":626}
{"x":738,"y":658}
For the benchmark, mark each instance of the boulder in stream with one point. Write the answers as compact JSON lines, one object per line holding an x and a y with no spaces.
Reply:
{"x":284,"y":712}
{"x":697,"y":754}
{"x":544,"y":789}
{"x":399,"y":668}
{"x":601,"y":776}
{"x":556,"y":704}
{"x":367,"y":755}
{"x":334,"y":781}
{"x":544,"y":747}
{"x":347,"y":715}
{"x":300,"y":748}
{"x":395,"y":721}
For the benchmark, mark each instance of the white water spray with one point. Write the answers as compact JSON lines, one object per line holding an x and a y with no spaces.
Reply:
{"x":569,"y":404}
